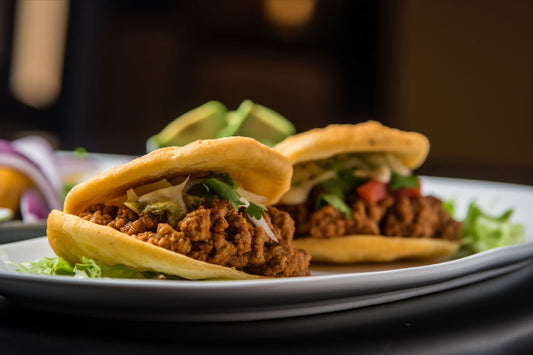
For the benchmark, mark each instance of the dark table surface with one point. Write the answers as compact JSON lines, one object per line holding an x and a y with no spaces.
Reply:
{"x":490,"y":317}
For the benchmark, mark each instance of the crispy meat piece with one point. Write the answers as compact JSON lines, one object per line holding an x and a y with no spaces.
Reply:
{"x":327,"y":222}
{"x":99,"y":214}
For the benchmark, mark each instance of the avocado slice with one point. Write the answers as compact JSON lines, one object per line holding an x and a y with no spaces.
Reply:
{"x":234,"y":120}
{"x":259,"y":122}
{"x":203,"y":122}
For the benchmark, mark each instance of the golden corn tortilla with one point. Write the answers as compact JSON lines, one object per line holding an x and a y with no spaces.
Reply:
{"x":373,"y":248}
{"x":72,"y":237}
{"x":252,"y":165}
{"x":411,"y":148}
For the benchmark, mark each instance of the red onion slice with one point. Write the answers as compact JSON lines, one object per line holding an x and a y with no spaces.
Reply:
{"x":38,"y":150}
{"x":263,"y":224}
{"x":32,"y":206}
{"x":17,"y":161}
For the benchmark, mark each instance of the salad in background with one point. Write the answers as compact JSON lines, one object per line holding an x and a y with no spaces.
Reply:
{"x":482,"y":231}
{"x":214,"y":120}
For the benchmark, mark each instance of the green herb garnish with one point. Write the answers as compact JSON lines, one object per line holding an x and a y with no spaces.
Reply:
{"x":333,"y":191}
{"x":403,"y":182}
{"x":80,"y":151}
{"x":224,"y":191}
{"x":255,"y":211}
{"x":337,"y":202}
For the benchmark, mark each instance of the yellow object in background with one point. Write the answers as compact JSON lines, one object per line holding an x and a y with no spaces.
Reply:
{"x":12,"y":184}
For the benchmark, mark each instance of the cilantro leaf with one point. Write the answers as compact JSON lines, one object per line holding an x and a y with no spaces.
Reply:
{"x":225,"y":178}
{"x":349,"y":179}
{"x":254,"y":211}
{"x":224,"y":191}
{"x":335,"y":186}
{"x":401,"y":182}
{"x":333,"y":191}
{"x":200,"y":190}
{"x":337,"y":202}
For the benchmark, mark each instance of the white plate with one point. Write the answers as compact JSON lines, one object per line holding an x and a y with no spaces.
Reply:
{"x":12,"y":231}
{"x":328,"y":289}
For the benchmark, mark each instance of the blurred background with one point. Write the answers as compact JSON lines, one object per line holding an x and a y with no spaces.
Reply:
{"x":106,"y":75}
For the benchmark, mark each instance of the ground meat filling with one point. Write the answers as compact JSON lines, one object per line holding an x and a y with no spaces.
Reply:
{"x":419,"y":217}
{"x":215,"y":233}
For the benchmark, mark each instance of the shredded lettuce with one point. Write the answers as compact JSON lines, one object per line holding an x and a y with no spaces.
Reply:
{"x":482,"y":231}
{"x":166,"y":201}
{"x":47,"y":266}
{"x":191,"y":201}
{"x":87,"y":268}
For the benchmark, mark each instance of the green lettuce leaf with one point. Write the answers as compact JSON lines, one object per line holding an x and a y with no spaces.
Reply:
{"x":47,"y":266}
{"x":95,"y":269}
{"x":449,"y":206}
{"x":482,"y":231}
{"x":87,"y":268}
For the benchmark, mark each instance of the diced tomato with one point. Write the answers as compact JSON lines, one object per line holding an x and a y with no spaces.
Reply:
{"x":372,"y":191}
{"x":407,"y":192}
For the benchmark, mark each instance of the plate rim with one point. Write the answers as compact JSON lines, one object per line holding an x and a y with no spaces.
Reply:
{"x":498,"y":256}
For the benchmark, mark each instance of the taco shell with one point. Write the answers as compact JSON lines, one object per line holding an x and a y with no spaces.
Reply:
{"x":72,"y":237}
{"x":411,"y":148}
{"x":373,"y":248}
{"x":255,"y":167}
